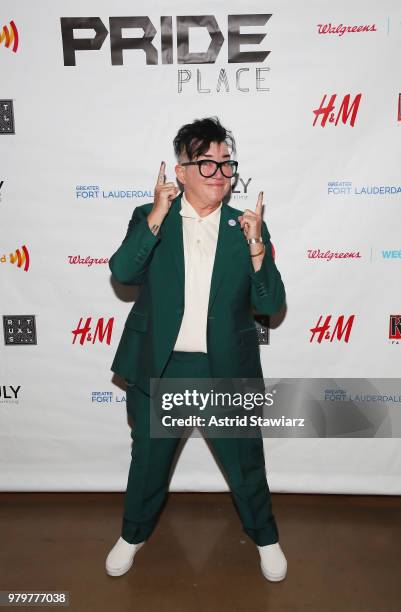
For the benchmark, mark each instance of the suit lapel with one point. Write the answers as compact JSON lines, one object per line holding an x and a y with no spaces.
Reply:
{"x":171,"y":230}
{"x":226,"y":249}
{"x":227,"y":243}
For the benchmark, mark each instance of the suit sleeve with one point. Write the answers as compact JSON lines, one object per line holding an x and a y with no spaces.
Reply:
{"x":130,"y":262}
{"x":267,"y":289}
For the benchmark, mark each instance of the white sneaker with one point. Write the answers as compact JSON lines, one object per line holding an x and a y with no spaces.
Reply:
{"x":121,"y":557}
{"x":273,"y":562}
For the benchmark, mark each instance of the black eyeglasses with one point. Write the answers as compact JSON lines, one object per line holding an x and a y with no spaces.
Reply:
{"x":209,"y":167}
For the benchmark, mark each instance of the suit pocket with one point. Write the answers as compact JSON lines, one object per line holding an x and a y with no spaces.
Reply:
{"x":249,"y":335}
{"x":137,"y":321}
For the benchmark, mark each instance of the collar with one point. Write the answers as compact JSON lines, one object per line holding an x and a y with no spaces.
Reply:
{"x":187,"y":210}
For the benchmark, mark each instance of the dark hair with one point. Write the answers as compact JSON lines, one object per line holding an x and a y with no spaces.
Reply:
{"x":194,"y":138}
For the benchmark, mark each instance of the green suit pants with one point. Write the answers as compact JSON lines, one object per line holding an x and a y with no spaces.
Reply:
{"x":151,"y":458}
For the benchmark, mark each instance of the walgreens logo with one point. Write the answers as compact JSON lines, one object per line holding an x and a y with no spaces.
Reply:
{"x":340,"y":30}
{"x":87,"y":261}
{"x":329,"y":255}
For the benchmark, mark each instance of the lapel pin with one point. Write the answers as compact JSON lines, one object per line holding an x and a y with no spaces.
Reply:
{"x":232,"y":222}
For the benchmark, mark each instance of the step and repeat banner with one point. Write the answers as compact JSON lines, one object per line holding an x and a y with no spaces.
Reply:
{"x":91,"y":97}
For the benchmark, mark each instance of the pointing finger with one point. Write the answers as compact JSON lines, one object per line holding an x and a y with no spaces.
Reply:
{"x":259,"y":204}
{"x":161,"y":176}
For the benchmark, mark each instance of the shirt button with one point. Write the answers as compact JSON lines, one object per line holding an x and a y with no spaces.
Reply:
{"x":199,"y":220}
{"x":198,"y":241}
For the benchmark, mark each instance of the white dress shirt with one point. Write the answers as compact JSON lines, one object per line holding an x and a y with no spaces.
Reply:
{"x":199,"y":240}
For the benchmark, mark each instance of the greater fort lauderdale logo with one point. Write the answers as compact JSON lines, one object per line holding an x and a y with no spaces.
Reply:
{"x":19,"y":258}
{"x":9,"y":36}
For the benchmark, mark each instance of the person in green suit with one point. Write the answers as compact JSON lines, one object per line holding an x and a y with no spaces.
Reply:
{"x":204,"y":268}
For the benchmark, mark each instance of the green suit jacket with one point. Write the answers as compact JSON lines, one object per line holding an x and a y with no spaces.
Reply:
{"x":157,"y":263}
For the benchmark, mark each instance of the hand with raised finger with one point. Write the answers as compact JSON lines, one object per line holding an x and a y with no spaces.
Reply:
{"x":164,"y":192}
{"x":251,"y":221}
{"x":164,"y":195}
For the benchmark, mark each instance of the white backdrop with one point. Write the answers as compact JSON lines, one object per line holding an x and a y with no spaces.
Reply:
{"x":87,"y":146}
